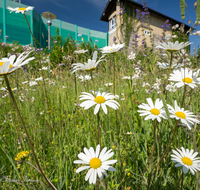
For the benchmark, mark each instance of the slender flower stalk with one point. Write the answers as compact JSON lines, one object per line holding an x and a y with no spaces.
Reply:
{"x":27,"y":135}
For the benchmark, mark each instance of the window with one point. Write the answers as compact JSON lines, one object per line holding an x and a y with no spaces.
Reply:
{"x":112,"y":23}
{"x":146,"y":32}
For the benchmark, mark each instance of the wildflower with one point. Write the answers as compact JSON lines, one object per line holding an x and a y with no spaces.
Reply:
{"x":7,"y":65}
{"x":112,"y":49}
{"x":185,"y":77}
{"x":32,"y":83}
{"x":108,"y":84}
{"x":44,"y":68}
{"x":84,"y":78}
{"x":171,"y":87}
{"x":170,"y":46}
{"x":167,"y":65}
{"x":20,"y":9}
{"x":89,"y":66}
{"x":168,"y":37}
{"x":186,"y":117}
{"x":131,"y":56}
{"x":80,"y":51}
{"x":153,"y":111}
{"x":129,"y":133}
{"x":97,"y":162}
{"x":79,"y":34}
{"x":186,"y":159}
{"x":99,"y":100}
{"x":22,"y":155}
{"x":38,"y":79}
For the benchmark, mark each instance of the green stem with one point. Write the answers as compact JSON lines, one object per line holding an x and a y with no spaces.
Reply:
{"x":27,"y":135}
{"x":99,"y":130}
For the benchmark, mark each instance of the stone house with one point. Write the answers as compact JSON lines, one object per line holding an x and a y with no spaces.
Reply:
{"x":150,"y":29}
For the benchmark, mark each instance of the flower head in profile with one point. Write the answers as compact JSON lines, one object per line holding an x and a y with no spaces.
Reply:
{"x":170,"y":46}
{"x":185,"y":77}
{"x":89,"y":66}
{"x":186,"y":159}
{"x":112,"y":49}
{"x":20,"y":9}
{"x":97,"y":162}
{"x":82,"y":51}
{"x":167,"y":65}
{"x":9,"y":65}
{"x":100,"y":100}
{"x":153,"y":111}
{"x":186,"y":117}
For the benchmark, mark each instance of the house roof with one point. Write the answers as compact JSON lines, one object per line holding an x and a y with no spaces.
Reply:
{"x":112,"y":4}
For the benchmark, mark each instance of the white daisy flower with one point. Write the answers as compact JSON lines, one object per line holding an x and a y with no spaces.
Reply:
{"x":39,"y":79}
{"x":84,"y":78}
{"x":80,"y":51}
{"x":129,"y":133}
{"x":7,"y":65}
{"x":20,"y":9}
{"x":153,"y":111}
{"x":167,"y":65}
{"x":112,"y":49}
{"x":32,"y":83}
{"x":186,"y":159}
{"x":89,"y":66}
{"x":185,"y":76}
{"x":170,"y":46}
{"x":186,"y":117}
{"x":131,"y":56}
{"x":44,"y":68}
{"x":101,"y":100}
{"x":108,"y":84}
{"x":97,"y":162}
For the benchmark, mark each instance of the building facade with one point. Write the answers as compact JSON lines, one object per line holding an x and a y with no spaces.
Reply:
{"x":147,"y":25}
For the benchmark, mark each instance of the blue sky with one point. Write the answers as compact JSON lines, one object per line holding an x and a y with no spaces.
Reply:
{"x":87,"y":13}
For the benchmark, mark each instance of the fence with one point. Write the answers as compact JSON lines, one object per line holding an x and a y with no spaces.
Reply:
{"x":15,"y":26}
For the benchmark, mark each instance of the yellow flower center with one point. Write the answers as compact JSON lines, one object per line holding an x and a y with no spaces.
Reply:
{"x":187,"y":80}
{"x":111,"y":49}
{"x":180,"y":114}
{"x":91,"y":69}
{"x":95,"y":163}
{"x":171,"y":50}
{"x":155,"y":111}
{"x":187,"y":161}
{"x":99,"y":99}
{"x":1,"y":64}
{"x":22,"y":9}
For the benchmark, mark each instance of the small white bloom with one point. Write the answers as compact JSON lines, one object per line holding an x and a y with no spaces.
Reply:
{"x":185,"y":116}
{"x":153,"y":111}
{"x":38,"y":79}
{"x":20,"y":9}
{"x":170,"y":46}
{"x":100,"y":100}
{"x":131,"y":56}
{"x":32,"y":83}
{"x":185,"y":77}
{"x":186,"y":159}
{"x":112,"y":49}
{"x":80,"y":51}
{"x":97,"y":162}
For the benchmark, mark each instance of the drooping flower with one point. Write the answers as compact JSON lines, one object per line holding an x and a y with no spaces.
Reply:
{"x":112,"y":49}
{"x":186,"y":159}
{"x":7,"y":65}
{"x":20,"y":9}
{"x":89,"y":66}
{"x":97,"y":162}
{"x":186,"y":117}
{"x":153,"y":111}
{"x":100,"y":100}
{"x":185,"y":77}
{"x":170,"y":46}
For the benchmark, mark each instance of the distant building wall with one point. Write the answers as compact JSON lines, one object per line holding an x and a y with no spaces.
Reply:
{"x":15,"y":26}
